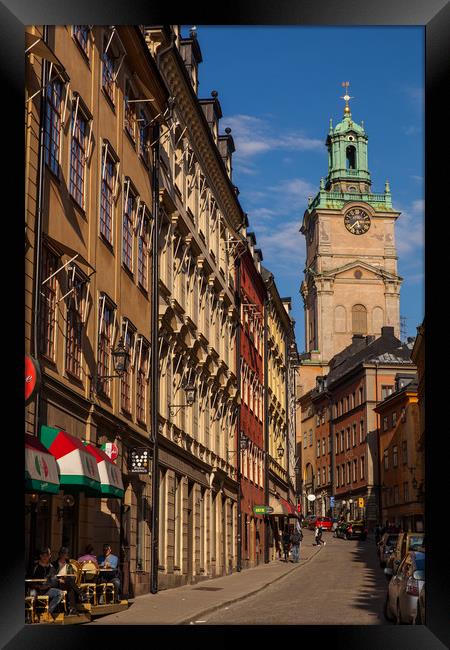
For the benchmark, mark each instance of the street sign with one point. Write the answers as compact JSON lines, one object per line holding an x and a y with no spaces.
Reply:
{"x":311,"y":497}
{"x":32,"y":378}
{"x":262,"y":510}
{"x":360,"y":502}
{"x":331,"y":502}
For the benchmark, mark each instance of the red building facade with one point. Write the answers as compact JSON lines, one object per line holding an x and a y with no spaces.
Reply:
{"x":252,"y":294}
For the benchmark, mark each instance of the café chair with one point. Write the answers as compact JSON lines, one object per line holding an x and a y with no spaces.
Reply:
{"x":30,"y":612}
{"x":41,"y":605}
{"x":88,"y":582}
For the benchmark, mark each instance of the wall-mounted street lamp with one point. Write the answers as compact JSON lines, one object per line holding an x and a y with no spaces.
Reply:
{"x":280,"y":451}
{"x":120,"y":357}
{"x":243,"y":443}
{"x":191,"y":392}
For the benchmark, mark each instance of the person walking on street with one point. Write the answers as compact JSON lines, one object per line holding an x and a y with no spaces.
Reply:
{"x":296,"y":539}
{"x":318,"y":536}
{"x":286,"y":544}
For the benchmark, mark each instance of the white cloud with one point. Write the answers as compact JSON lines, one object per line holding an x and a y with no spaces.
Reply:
{"x":253,"y":136}
{"x":418,"y":179}
{"x":295,"y":188}
{"x":410,"y":231}
{"x":411,"y":130}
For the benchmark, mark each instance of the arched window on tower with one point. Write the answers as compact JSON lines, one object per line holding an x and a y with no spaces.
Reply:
{"x":351,"y":157}
{"x":359,"y":319}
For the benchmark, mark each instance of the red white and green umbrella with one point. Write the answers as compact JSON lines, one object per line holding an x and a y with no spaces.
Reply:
{"x":77,"y":466}
{"x":110,"y":475}
{"x":41,"y":470}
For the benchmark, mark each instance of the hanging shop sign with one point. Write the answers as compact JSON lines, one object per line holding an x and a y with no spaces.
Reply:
{"x":32,"y":378}
{"x":111,"y":450}
{"x":360,"y":502}
{"x":311,"y":497}
{"x":138,"y":460}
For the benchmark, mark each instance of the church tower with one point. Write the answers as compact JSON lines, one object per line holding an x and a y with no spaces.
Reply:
{"x":351,"y":284}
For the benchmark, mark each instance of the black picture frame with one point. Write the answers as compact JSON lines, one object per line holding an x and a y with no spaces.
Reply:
{"x":434,"y":15}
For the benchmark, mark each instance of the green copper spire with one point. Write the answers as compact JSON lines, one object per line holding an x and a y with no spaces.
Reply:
{"x":347,"y":153}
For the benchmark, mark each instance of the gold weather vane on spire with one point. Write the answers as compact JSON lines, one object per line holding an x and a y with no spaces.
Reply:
{"x":346,"y":97}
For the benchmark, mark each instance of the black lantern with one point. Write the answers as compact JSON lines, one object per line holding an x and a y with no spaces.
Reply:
{"x":120,"y":358}
{"x":280,"y":451}
{"x":243,"y":441}
{"x":190,"y":391}
{"x":414,"y":483}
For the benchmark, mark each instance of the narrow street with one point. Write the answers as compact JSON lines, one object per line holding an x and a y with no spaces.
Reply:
{"x":342,"y":585}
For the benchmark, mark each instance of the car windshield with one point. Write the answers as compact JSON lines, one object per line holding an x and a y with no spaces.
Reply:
{"x":416,"y":542}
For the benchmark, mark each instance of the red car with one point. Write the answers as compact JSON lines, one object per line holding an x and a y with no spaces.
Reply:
{"x":325,"y":523}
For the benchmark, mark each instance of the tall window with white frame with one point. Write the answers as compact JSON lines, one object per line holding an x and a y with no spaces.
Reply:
{"x":108,"y":71}
{"x":143,"y":136}
{"x":49,"y":290}
{"x":106,"y":320}
{"x":109,"y":180}
{"x":143,"y":249}
{"x":52,"y":131}
{"x":130,"y":111}
{"x":142,"y":375}
{"x":127,"y":229}
{"x":74,"y":327}
{"x":78,"y":156}
{"x":126,"y":379}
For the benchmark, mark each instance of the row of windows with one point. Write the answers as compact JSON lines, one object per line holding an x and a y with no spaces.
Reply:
{"x":349,"y":402}
{"x":323,"y":481}
{"x":390,"y":421}
{"x":252,"y":326}
{"x":348,"y":438}
{"x":252,"y":464}
{"x":252,"y":391}
{"x":347,"y":472}
{"x":305,"y":439}
{"x":319,"y":446}
{"x":75,"y":300}
{"x":391,"y":495}
{"x":135,"y":215}
{"x":394,"y":454}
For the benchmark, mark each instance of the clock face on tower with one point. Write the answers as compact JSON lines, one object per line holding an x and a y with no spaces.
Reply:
{"x":357,"y":221}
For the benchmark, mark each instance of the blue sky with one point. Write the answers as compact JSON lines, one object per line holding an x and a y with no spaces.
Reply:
{"x":278,"y":88}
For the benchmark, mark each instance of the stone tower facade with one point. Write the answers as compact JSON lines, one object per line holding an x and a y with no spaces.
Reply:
{"x":351,"y":285}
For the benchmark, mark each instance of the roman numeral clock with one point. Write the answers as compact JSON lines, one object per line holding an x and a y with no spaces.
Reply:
{"x":357,"y":221}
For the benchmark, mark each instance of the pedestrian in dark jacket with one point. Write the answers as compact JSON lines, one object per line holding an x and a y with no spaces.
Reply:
{"x":318,"y":536}
{"x":296,"y":540}
{"x":286,"y":539}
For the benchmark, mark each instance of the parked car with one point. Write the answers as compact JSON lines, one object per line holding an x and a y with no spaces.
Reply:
{"x":420,"y":618}
{"x":405,"y":542}
{"x":312,"y":522}
{"x":324,"y":522}
{"x":356,"y":530}
{"x":404,"y":588}
{"x":386,"y":546}
{"x":306,"y":520}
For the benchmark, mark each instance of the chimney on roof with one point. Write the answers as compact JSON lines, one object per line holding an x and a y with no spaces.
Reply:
{"x":370,"y":339}
{"x":387,"y":331}
{"x":357,"y":337}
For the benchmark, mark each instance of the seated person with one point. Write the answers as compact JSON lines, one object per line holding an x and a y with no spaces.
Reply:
{"x":88,"y":555}
{"x":65,"y":575}
{"x":44,"y":570}
{"x":110,"y":561}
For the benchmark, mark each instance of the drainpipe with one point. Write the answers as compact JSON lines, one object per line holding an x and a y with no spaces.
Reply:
{"x":238,"y":448}
{"x":380,"y":504}
{"x":154,"y":369}
{"x":38,"y":229}
{"x":333,"y":457}
{"x":266,"y":425}
{"x":286,"y":389}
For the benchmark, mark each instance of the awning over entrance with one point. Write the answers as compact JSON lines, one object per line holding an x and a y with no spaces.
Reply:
{"x":77,"y":466}
{"x":110,"y":475}
{"x":41,"y":470}
{"x":281,"y":507}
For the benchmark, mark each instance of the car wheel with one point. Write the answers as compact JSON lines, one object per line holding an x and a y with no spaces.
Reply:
{"x":387,"y":612}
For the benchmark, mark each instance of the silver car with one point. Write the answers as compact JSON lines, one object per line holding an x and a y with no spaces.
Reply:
{"x":404,"y":588}
{"x":386,"y":547}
